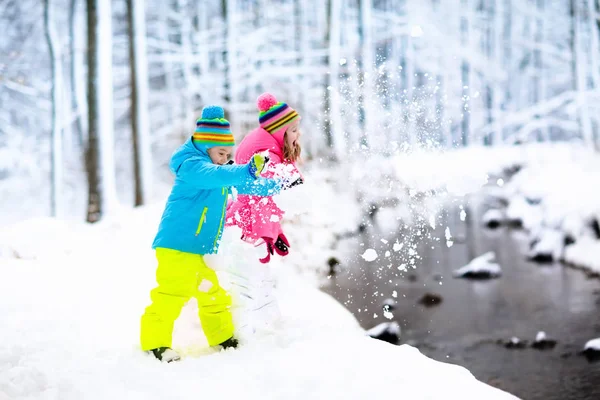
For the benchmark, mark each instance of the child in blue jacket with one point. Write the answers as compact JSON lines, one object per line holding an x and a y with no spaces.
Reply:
{"x":191,"y":226}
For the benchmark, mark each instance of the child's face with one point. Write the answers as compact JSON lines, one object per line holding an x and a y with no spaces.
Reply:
{"x":220,"y":154}
{"x":293,"y":133}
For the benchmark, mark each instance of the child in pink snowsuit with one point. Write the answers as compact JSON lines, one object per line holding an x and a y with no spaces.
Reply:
{"x":278,"y":133}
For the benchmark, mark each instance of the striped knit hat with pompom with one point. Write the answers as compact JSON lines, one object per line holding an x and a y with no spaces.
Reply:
{"x":212,"y":129}
{"x":274,"y":115}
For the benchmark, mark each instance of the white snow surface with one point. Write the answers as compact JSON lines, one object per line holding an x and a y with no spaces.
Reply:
{"x":584,"y":253}
{"x":73,"y":294}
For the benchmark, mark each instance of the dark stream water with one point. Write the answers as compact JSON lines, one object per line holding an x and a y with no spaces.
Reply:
{"x":465,"y":327}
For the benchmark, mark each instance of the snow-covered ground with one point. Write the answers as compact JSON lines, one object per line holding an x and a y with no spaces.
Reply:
{"x":72,"y":296}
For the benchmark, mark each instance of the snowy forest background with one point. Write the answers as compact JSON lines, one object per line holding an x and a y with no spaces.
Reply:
{"x":95,"y":95}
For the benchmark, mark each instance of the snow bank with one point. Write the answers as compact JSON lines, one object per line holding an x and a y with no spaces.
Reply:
{"x":71,"y":309}
{"x":584,"y":253}
{"x":554,"y":197}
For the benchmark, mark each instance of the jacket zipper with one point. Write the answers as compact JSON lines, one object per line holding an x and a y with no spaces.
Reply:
{"x":225,"y":192}
{"x":202,"y":219}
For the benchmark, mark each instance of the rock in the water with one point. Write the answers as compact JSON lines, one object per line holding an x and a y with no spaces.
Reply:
{"x":482,"y":267}
{"x":591,"y":350}
{"x":493,"y":218}
{"x":430,"y":299}
{"x":595,"y":225}
{"x":333,"y":262}
{"x":541,"y":342}
{"x":389,"y":304}
{"x":386,"y":331}
{"x":515,"y":343}
{"x":547,"y":246}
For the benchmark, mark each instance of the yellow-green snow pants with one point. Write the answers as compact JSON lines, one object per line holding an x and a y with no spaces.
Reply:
{"x":181,"y":276}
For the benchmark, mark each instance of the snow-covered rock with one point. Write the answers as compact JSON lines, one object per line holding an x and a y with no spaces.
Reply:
{"x":542,"y":342}
{"x":522,"y":213}
{"x":431,"y":299}
{"x":515,"y":343}
{"x":387,"y":331}
{"x":547,"y":245}
{"x":482,"y":267}
{"x":592,"y":349}
{"x":584,"y":253}
{"x":493,"y":218}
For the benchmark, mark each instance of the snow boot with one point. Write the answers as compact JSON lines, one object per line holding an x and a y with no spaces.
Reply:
{"x":229,"y":343}
{"x":165,"y":354}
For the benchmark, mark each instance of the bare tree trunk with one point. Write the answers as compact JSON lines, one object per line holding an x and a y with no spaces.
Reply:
{"x":99,"y":154}
{"x":77,"y":90}
{"x":139,"y":101}
{"x":56,"y":156}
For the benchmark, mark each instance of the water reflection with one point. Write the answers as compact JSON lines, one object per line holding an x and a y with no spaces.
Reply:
{"x":473,"y":315}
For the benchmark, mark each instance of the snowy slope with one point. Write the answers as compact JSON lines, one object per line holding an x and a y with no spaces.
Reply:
{"x":70,"y":326}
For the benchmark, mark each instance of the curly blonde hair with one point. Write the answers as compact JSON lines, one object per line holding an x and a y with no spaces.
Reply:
{"x":291,"y":153}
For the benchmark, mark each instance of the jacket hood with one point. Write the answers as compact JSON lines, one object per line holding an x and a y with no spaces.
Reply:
{"x":185,"y":152}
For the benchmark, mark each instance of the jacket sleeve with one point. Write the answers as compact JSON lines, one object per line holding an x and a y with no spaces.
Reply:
{"x":206,"y":175}
{"x":260,"y":187}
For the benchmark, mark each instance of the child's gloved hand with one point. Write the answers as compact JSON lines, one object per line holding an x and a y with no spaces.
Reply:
{"x":270,"y":252}
{"x":281,"y":245}
{"x":257,"y":164}
{"x":287,"y":184}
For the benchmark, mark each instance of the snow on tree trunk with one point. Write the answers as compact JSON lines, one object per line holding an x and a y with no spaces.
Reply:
{"x":142,"y":156}
{"x":369,"y":96}
{"x":498,"y":56}
{"x":593,"y":20}
{"x":335,"y":119}
{"x":466,"y":29}
{"x":56,"y":154}
{"x":409,"y":84}
{"x":230,"y":18}
{"x":539,"y":64}
{"x":580,"y":80}
{"x":170,"y":92}
{"x":189,"y":83}
{"x":102,"y":196}
{"x":76,"y":75}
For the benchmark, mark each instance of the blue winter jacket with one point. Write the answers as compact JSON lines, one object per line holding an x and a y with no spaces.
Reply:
{"x":194,"y":216}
